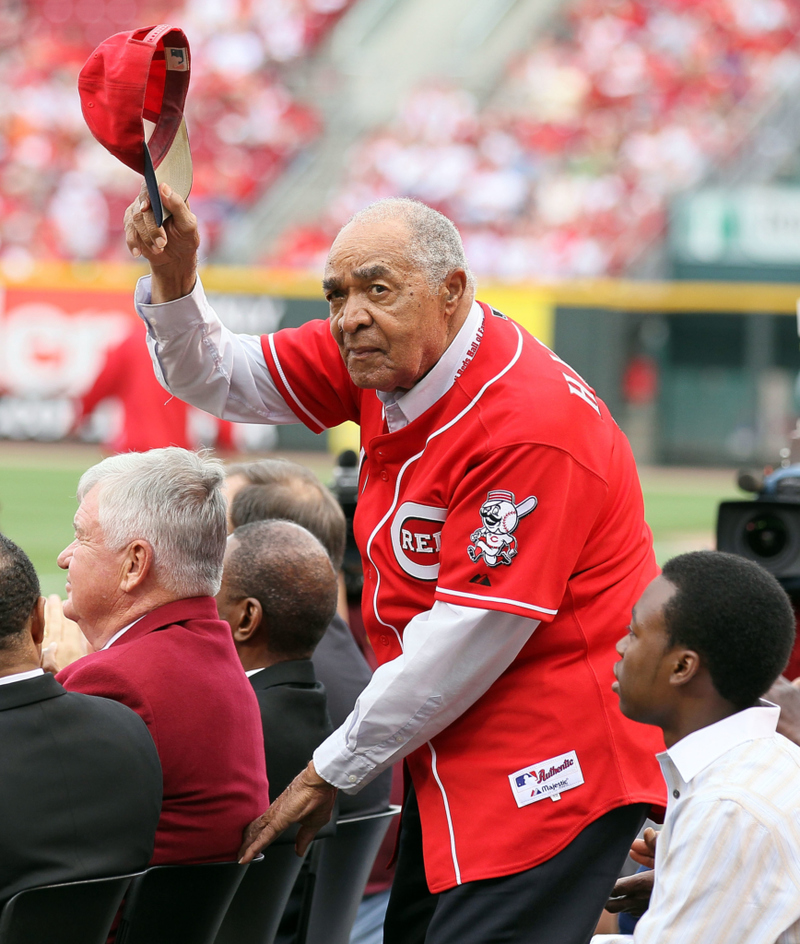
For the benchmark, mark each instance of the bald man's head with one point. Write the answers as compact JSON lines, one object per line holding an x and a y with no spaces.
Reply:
{"x":287,"y":576}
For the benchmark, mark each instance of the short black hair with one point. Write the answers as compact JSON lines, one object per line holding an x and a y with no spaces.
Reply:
{"x":736,"y":616}
{"x":19,"y":591}
{"x":289,"y":572}
{"x":282,"y":489}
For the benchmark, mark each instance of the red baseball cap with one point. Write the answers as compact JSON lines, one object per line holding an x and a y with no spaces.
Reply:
{"x":133,"y":88}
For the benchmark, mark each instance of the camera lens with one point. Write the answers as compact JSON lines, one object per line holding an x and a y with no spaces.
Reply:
{"x":766,"y":535}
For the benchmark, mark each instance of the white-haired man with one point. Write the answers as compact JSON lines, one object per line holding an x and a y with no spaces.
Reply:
{"x":146,"y":562}
{"x":493,"y":682}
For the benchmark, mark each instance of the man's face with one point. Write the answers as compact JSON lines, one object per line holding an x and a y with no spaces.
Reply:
{"x":94,"y":571}
{"x":232,"y":484}
{"x":225,"y":606}
{"x":390,"y":327}
{"x":646,"y":663}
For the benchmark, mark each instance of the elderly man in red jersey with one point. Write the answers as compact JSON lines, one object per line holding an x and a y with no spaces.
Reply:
{"x":501,"y":525}
{"x":150,"y":537}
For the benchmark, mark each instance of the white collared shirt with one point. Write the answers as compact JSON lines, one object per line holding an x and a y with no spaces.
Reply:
{"x":400,"y":409}
{"x":20,"y":676}
{"x":727,"y":865}
{"x":251,"y":672}
{"x":452,"y":654}
{"x":119,"y":633}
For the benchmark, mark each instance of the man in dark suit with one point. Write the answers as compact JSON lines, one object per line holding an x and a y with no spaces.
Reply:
{"x":80,"y":790}
{"x":278,"y":594}
{"x":279,"y":489}
{"x":143,"y":570}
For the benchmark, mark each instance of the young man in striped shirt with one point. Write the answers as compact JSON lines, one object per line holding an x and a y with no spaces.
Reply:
{"x":707,"y":639}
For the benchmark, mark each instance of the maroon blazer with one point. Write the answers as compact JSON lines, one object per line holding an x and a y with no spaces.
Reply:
{"x":178,"y":669}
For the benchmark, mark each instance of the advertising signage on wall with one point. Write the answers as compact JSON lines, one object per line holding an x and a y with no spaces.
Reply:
{"x":59,"y":321}
{"x":53,"y":342}
{"x":746,"y":233}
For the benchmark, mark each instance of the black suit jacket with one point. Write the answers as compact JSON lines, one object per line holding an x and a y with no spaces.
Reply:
{"x":294,"y":716}
{"x":80,"y":787}
{"x":345,"y":673}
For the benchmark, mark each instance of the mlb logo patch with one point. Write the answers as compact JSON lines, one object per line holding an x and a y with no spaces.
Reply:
{"x":177,"y":59}
{"x":548,"y":778}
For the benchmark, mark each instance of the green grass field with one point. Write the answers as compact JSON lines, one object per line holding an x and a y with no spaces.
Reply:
{"x":38,"y":484}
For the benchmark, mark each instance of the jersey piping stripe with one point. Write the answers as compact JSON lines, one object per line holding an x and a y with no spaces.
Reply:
{"x":388,"y":515}
{"x":477,"y":596}
{"x":407,"y":463}
{"x":286,"y":384}
{"x":435,"y":770}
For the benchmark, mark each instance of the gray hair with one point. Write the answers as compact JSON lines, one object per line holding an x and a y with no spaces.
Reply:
{"x":435,"y":247}
{"x":170,"y":498}
{"x":289,"y":572}
{"x":282,"y":489}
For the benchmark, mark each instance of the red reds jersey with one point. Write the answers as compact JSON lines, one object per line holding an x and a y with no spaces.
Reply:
{"x":514,"y":491}
{"x":151,"y":418}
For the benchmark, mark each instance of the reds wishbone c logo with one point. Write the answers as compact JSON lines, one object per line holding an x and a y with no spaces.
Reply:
{"x":500,"y":515}
{"x":417,"y":539}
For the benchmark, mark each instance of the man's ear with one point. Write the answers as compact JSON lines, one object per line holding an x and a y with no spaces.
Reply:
{"x":685,"y":666}
{"x":249,"y":619}
{"x":454,"y":287}
{"x":37,"y":624}
{"x":136,"y":566}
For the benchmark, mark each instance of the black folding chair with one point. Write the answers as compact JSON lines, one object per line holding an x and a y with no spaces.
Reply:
{"x":255,"y":912}
{"x":68,"y":913}
{"x":179,"y":904}
{"x":339,"y":869}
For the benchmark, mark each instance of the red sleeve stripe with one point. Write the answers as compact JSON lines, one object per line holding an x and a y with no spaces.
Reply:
{"x":286,"y":392}
{"x":483,"y":599}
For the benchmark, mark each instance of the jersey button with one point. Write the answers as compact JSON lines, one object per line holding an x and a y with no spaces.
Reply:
{"x":384,"y":640}
{"x":676,"y":794}
{"x":385,"y":476}
{"x":352,"y":778}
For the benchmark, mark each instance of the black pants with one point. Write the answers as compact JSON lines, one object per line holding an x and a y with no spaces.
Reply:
{"x":557,"y":902}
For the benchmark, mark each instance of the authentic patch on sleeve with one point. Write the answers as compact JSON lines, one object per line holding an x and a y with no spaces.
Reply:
{"x":549,"y":778}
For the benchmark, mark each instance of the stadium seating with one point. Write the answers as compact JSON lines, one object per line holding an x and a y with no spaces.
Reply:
{"x":179,"y":904}
{"x":69,"y":913}
{"x":339,"y":869}
{"x":62,"y":196}
{"x":255,"y":912}
{"x":567,"y":169}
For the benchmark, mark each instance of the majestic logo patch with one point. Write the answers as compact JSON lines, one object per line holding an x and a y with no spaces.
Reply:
{"x":417,"y":539}
{"x":550,"y":778}
{"x":482,"y":579}
{"x":500,"y":515}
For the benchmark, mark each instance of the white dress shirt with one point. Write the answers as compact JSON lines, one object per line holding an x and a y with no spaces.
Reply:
{"x":120,"y":632}
{"x":451,"y":654}
{"x":727,"y":867}
{"x":20,"y":676}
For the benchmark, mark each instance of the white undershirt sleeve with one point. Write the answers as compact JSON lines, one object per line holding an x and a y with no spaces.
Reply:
{"x":196,"y":358}
{"x":451,"y":656}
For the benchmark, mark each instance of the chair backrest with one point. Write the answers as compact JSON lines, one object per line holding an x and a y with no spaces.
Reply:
{"x":255,"y":912}
{"x":68,"y":913}
{"x":340,"y":867}
{"x":179,"y":904}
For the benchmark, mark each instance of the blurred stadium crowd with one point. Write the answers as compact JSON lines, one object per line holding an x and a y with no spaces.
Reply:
{"x":61,"y":196}
{"x":565,"y":170}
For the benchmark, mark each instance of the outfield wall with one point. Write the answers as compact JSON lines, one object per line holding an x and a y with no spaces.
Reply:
{"x":694,"y":371}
